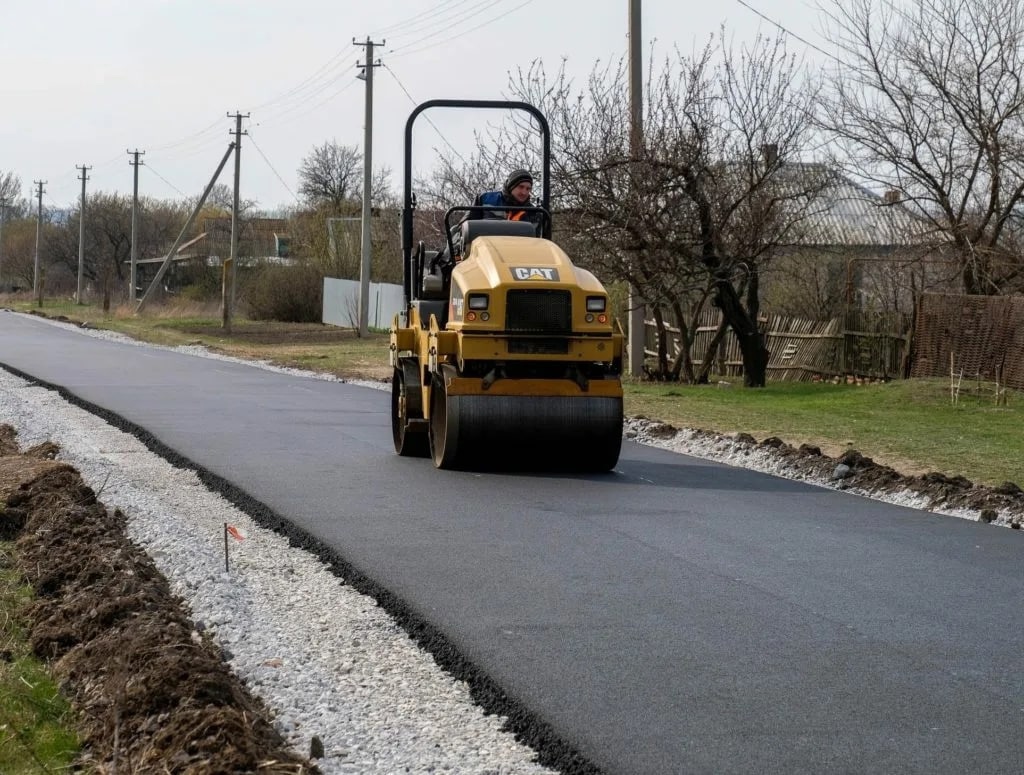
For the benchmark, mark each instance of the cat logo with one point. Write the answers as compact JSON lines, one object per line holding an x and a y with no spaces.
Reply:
{"x":535,"y":273}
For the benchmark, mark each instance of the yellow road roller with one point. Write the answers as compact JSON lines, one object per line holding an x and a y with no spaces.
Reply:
{"x":505,"y":355}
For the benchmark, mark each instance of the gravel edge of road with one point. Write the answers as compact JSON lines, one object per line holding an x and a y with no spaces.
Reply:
{"x":550,"y":750}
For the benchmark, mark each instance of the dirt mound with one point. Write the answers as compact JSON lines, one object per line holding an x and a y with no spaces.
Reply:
{"x":849,"y":471}
{"x":151,"y":693}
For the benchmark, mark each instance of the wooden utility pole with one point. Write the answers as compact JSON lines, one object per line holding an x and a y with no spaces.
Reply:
{"x":228,"y":287}
{"x":367,"y":244}
{"x":81,"y":232}
{"x":3,"y":214}
{"x":637,"y":307}
{"x":132,"y":276}
{"x":37,"y":288}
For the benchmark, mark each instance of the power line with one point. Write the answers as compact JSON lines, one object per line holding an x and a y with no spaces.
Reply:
{"x":149,"y":167}
{"x":452,"y":17}
{"x":786,"y":31}
{"x":111,"y":160}
{"x":429,"y":121}
{"x":320,"y":89}
{"x":390,"y":30}
{"x":188,"y":138}
{"x":443,"y":26}
{"x":464,"y":32}
{"x":260,"y":151}
{"x":302,"y":85}
{"x":288,"y":114}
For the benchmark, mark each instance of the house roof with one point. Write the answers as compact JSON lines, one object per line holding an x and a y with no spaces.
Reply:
{"x":179,"y":256}
{"x":841,"y":212}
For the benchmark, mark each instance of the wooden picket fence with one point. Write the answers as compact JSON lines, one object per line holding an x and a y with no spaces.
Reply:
{"x":804,"y":350}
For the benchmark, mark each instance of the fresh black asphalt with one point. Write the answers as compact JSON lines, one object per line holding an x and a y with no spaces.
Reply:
{"x":675,"y":616}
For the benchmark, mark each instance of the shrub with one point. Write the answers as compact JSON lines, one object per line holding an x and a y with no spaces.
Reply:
{"x":292,"y":294}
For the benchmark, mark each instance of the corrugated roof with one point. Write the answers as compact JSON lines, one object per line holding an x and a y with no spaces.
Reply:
{"x":843,"y":213}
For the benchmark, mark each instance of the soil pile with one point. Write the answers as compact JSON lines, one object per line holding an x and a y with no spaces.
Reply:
{"x":853,"y":471}
{"x":151,"y":694}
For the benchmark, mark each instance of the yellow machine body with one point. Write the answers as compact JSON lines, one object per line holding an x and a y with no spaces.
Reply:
{"x":519,"y":364}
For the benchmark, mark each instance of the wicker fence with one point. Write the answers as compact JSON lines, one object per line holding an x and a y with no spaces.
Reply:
{"x":973,"y":336}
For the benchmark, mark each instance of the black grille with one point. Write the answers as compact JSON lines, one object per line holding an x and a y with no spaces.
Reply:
{"x":539,"y":311}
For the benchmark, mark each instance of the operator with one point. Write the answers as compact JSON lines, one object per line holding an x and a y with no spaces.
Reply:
{"x":516,"y":192}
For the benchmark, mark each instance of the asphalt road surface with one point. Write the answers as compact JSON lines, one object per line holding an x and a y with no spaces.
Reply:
{"x":673,"y":616}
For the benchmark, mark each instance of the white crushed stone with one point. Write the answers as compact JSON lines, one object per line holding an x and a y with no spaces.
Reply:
{"x":730,"y":451}
{"x":324,"y":659}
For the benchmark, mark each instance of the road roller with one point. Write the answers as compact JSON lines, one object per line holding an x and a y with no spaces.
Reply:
{"x":505,"y":353}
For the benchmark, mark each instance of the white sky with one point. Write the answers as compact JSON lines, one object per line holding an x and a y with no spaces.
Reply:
{"x":85,"y":80}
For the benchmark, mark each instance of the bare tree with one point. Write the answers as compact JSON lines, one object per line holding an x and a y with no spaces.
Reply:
{"x":927,"y":99}
{"x":331,"y":174}
{"x":10,"y":192}
{"x":108,"y":238}
{"x":696,"y":214}
{"x":222,"y":197}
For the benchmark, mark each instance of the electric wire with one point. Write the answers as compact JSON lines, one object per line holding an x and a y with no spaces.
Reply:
{"x":149,"y":167}
{"x":109,"y":161}
{"x":786,"y":31}
{"x":307,"y":84}
{"x":188,"y":138}
{"x":465,"y":32}
{"x":452,"y":17}
{"x":299,"y":102}
{"x":290,"y":115}
{"x":426,"y":117}
{"x":442,"y":27}
{"x":260,"y":152}
{"x":410,"y":20}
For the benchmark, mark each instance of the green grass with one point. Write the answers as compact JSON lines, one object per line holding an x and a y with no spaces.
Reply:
{"x":911,"y":425}
{"x":36,"y":732}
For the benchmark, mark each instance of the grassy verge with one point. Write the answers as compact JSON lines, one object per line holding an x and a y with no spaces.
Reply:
{"x":911,"y":425}
{"x":36,"y":734}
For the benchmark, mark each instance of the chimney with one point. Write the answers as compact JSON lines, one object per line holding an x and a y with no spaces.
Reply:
{"x":891,"y":197}
{"x":770,"y":152}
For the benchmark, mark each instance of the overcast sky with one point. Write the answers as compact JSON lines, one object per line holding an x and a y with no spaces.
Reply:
{"x":85,"y":80}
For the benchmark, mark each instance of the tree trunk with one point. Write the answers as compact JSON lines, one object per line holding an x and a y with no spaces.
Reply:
{"x":709,"y":354}
{"x":682,"y":364}
{"x":752,"y":349}
{"x":659,"y":322}
{"x":968,"y":277}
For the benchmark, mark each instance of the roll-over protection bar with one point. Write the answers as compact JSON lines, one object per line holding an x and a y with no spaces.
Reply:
{"x":407,"y":195}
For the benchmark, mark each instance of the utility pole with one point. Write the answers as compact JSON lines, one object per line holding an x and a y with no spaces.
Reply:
{"x":155,"y":282}
{"x":81,"y":232}
{"x":37,"y":289}
{"x":637,"y":307}
{"x":364,"y":265}
{"x":228,"y":288}
{"x":3,"y":214}
{"x":132,"y":278}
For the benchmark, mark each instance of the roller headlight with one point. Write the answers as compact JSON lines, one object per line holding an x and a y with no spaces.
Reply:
{"x":478,"y":301}
{"x":596,"y":303}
